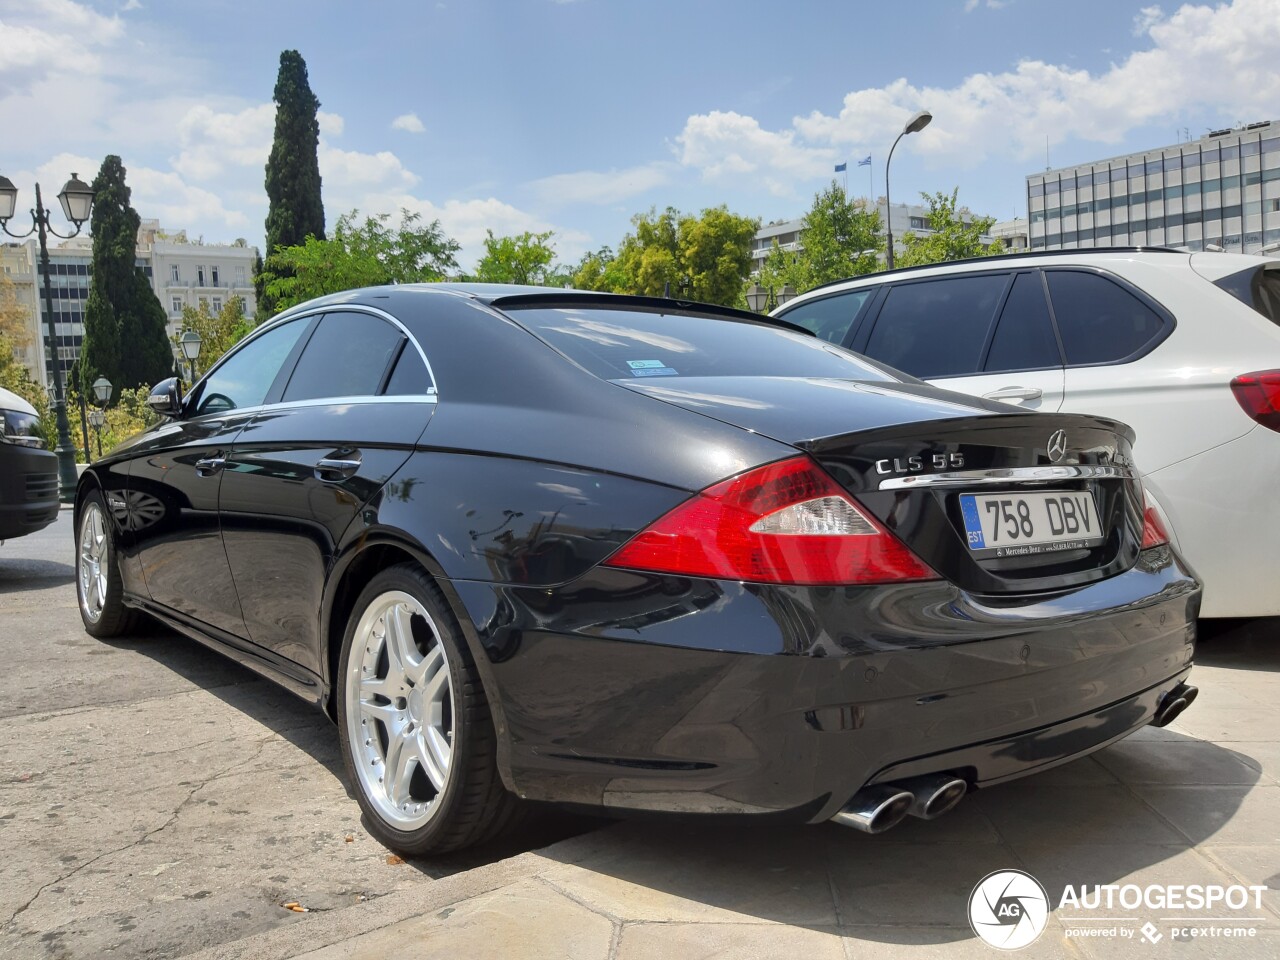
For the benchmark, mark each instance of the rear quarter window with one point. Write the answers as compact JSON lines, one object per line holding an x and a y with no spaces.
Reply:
{"x":620,"y":344}
{"x":1257,"y":287}
{"x":1099,"y":320}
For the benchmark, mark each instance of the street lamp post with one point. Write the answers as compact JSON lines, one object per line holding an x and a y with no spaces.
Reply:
{"x":190,"y":343}
{"x":914,"y":125}
{"x":761,"y":299}
{"x":77,"y":202}
{"x":98,"y":418}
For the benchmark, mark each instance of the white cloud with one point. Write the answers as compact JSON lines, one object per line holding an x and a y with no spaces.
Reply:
{"x":602,"y":187}
{"x":55,"y":37}
{"x":131,"y":5}
{"x":409,"y":123}
{"x":721,"y":144}
{"x":972,"y":5}
{"x":1216,"y":59}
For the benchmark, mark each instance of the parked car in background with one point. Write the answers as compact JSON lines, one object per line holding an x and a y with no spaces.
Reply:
{"x":28,"y":472}
{"x":634,"y":554}
{"x":1184,"y":347}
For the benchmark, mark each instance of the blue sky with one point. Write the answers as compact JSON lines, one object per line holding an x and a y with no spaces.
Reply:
{"x":572,"y":116}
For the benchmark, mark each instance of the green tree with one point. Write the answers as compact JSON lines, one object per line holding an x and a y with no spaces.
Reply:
{"x":14,"y":375}
{"x":525,"y":258}
{"x":957,"y":234}
{"x":360,"y":255}
{"x":702,"y":257}
{"x":295,"y":209}
{"x":841,"y":238}
{"x":124,"y":323}
{"x":219,"y":332}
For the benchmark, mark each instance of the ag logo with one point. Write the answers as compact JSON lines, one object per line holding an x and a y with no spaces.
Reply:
{"x":1008,"y":909}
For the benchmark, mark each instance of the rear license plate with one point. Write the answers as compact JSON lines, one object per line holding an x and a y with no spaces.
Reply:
{"x":1029,"y":524}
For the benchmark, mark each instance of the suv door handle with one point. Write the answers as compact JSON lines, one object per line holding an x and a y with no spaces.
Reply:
{"x":1014,"y":393}
{"x":210,"y":465}
{"x":337,"y":469}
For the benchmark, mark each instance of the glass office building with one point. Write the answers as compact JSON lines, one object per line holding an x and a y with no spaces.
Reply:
{"x":1222,"y":190}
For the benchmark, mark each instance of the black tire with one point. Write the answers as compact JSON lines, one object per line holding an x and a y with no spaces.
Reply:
{"x":114,"y":618}
{"x":473,"y":807}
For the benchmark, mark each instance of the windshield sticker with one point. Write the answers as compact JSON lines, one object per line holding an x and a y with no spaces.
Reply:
{"x":654,"y":372}
{"x":644,"y":364}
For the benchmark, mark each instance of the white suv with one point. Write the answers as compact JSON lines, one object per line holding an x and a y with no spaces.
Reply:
{"x":1184,"y":347}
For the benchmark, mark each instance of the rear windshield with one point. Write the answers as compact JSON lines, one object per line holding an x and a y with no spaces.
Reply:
{"x":638,"y":344}
{"x":1259,"y":287}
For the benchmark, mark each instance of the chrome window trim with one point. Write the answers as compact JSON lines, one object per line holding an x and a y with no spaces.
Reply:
{"x":303,"y":314}
{"x":1043,"y":474}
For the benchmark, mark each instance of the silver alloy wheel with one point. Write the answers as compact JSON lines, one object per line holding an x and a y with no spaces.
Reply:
{"x":94,"y":556}
{"x":400,"y":709}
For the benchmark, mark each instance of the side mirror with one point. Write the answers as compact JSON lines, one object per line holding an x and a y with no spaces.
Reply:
{"x":166,"y":398}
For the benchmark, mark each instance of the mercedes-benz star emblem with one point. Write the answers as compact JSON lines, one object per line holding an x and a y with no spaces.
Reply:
{"x":1057,"y":445}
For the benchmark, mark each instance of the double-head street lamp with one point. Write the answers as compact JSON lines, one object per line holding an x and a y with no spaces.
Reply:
{"x":760,"y":299}
{"x":77,"y":202}
{"x":914,"y":125}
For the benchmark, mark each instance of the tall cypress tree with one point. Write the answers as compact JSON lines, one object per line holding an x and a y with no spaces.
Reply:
{"x":293,"y":169}
{"x":124,"y":324}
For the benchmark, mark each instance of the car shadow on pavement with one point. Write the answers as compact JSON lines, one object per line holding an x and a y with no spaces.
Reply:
{"x":1240,"y":644}
{"x":24,"y":575}
{"x":1119,"y":815}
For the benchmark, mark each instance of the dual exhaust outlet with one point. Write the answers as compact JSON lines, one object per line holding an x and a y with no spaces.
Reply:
{"x":881,"y":806}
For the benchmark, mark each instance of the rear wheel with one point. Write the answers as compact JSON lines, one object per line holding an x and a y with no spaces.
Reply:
{"x":98,"y":585}
{"x":417,"y":738}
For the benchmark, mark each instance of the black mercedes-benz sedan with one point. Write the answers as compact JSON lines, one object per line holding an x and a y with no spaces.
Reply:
{"x":635,"y":554}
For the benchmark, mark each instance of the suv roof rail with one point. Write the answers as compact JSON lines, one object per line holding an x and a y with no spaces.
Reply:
{"x":1020,"y":255}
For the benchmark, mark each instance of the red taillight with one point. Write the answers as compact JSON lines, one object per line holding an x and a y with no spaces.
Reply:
{"x":787,"y":522}
{"x":1259,"y":395}
{"x":1154,"y":533}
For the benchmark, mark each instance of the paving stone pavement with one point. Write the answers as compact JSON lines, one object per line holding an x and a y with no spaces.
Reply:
{"x":157,"y":801}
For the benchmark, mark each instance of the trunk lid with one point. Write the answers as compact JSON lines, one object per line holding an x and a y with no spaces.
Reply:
{"x":919,"y":458}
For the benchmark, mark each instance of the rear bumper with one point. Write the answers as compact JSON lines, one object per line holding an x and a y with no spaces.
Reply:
{"x":630,"y":692}
{"x":28,"y":490}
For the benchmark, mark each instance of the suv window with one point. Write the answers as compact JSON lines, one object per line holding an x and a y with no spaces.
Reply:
{"x":243,"y":379}
{"x":1024,"y":337}
{"x":1099,"y":320}
{"x":936,"y":328}
{"x":1259,"y":287}
{"x":347,"y":356}
{"x":830,"y":317}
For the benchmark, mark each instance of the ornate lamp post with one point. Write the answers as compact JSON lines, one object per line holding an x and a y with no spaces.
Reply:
{"x":190,"y":343}
{"x":760,"y":299}
{"x":77,"y":202}
{"x":914,"y":125}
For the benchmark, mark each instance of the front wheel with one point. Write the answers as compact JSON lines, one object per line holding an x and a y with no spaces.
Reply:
{"x":417,"y":738}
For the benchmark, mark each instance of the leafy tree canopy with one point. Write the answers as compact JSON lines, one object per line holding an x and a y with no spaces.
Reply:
{"x":841,"y":238}
{"x":957,"y":234}
{"x":525,"y":258}
{"x":124,"y":323}
{"x":701,"y":257}
{"x":219,"y":332}
{"x":360,"y":255}
{"x":295,"y":210}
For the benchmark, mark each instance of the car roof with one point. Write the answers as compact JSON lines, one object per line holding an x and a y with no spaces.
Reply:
{"x":501,"y":296}
{"x":11,"y":401}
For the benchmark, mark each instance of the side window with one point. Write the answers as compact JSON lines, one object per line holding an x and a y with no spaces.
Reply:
{"x":1024,"y":337}
{"x":244,"y":378}
{"x":410,"y":377}
{"x":936,"y":328}
{"x":347,"y":356}
{"x":830,"y":317}
{"x":1098,"y":319}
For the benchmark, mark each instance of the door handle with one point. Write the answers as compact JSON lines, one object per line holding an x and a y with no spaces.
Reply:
{"x":1015,"y":393}
{"x":336,"y":469}
{"x":209,"y":466}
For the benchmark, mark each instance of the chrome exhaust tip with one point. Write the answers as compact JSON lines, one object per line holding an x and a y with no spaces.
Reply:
{"x":876,"y":808}
{"x":1173,"y":703}
{"x":934,"y":794}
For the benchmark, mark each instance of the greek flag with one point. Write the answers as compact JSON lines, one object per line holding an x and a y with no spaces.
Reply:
{"x":841,"y":167}
{"x":866,"y":162}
